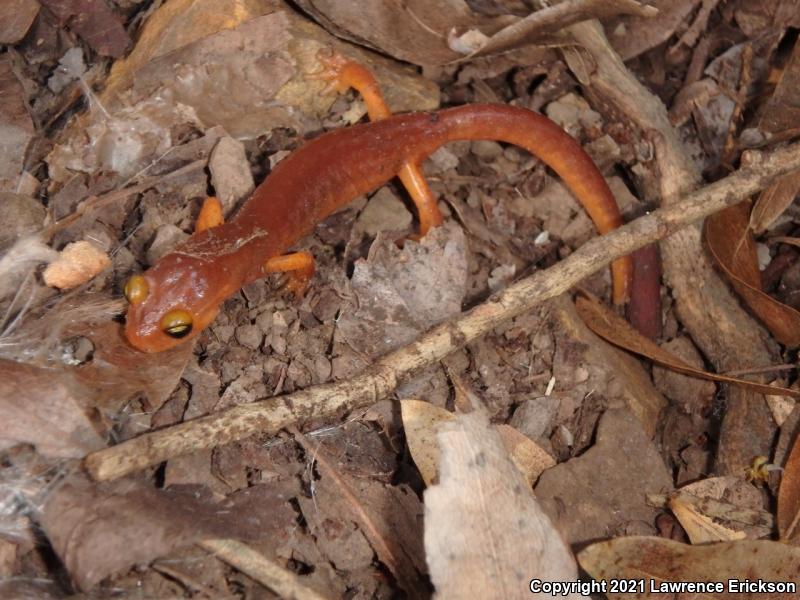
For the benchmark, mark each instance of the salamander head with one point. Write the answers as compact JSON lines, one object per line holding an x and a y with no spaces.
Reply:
{"x":171,"y":302}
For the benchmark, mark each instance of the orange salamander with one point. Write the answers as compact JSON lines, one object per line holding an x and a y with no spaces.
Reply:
{"x":181,"y":294}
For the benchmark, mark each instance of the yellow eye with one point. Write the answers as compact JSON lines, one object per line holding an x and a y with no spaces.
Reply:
{"x":177,"y":323}
{"x":136,"y":289}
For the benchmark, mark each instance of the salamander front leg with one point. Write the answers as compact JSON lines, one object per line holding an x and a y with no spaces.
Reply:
{"x":298,"y":266}
{"x":342,"y":74}
{"x":210,"y":215}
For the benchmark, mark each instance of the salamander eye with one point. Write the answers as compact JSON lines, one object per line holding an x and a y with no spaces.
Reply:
{"x":177,"y":323}
{"x":136,"y":289}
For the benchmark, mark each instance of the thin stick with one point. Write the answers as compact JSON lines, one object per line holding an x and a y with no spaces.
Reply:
{"x":380,"y":379}
{"x":95,"y":202}
{"x":250,"y":562}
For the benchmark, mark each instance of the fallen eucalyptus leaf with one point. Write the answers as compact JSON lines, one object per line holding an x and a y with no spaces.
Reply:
{"x":616,"y":330}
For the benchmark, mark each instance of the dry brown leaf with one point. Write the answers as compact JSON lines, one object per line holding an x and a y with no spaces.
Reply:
{"x":600,"y":319}
{"x":442,"y":31}
{"x":415,"y":31}
{"x":46,"y":408}
{"x":773,"y":201}
{"x":174,"y":25}
{"x":733,"y":501}
{"x":16,"y":17}
{"x":551,"y":19}
{"x":422,"y":422}
{"x":118,"y":371}
{"x":632,"y":35}
{"x":700,"y":528}
{"x":781,"y":115}
{"x":16,"y":126}
{"x":247,"y":65}
{"x":251,"y":59}
{"x":745,"y":516}
{"x":788,"y":516}
{"x":480,"y":516}
{"x":95,"y":22}
{"x":76,"y":264}
{"x":731,"y":243}
{"x":657,"y":561}
{"x":100,"y":529}
{"x":530,"y":458}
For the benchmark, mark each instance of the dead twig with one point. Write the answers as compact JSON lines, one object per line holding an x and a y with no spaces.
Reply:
{"x":250,"y":562}
{"x":96,"y":202}
{"x":378,"y":381}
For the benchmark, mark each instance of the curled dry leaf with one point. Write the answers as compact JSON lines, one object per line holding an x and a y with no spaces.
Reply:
{"x":76,"y":264}
{"x":657,"y":561}
{"x":732,"y":501}
{"x":600,"y":319}
{"x":701,"y":528}
{"x":480,"y":516}
{"x":422,"y":422}
{"x":45,"y":408}
{"x":789,"y":497}
{"x":731,"y":243}
{"x":774,"y":201}
{"x":755,"y":523}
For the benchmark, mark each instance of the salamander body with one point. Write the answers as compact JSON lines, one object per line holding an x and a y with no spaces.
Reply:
{"x":181,"y":294}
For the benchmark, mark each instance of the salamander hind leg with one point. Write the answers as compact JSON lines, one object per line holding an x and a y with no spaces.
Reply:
{"x":341,"y":73}
{"x":298,"y":266}
{"x":424,"y":199}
